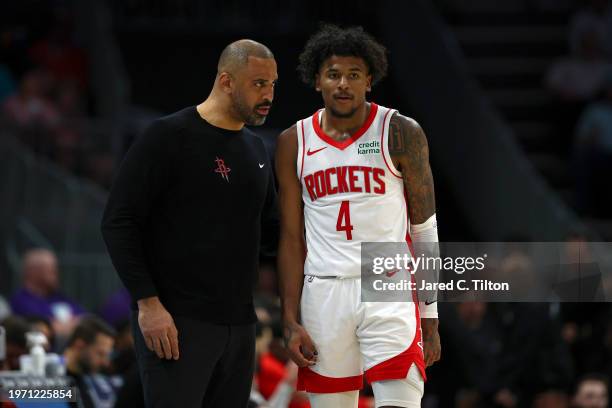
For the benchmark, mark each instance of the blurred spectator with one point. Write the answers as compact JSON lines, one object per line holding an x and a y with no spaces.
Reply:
{"x":5,"y":309}
{"x":517,"y":266}
{"x":597,"y":17}
{"x":593,"y":155}
{"x":472,"y":343}
{"x":40,"y":295}
{"x":16,"y":344}
{"x":579,"y":77}
{"x":551,"y":399}
{"x":535,"y":365}
{"x":59,"y":55}
{"x":591,"y":392}
{"x":87,"y":354}
{"x":575,"y":80}
{"x":31,"y":105}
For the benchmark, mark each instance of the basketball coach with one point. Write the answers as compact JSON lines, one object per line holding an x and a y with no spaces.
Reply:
{"x":192,"y":201}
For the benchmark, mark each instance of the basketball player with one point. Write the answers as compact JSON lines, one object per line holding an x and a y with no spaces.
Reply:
{"x":192,"y":202}
{"x":344,"y":174}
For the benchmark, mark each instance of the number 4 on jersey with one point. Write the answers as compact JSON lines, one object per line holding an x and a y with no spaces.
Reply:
{"x":344,"y":220}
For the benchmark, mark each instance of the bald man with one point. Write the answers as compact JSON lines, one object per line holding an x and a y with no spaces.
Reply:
{"x":40,"y":294}
{"x":183,"y":226}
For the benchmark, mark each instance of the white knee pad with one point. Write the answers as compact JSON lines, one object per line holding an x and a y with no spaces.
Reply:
{"x":347,"y":399}
{"x":406,"y":392}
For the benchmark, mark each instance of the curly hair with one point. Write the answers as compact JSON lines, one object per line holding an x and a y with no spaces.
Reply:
{"x":349,"y":42}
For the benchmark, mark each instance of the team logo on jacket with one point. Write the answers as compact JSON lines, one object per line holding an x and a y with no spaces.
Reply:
{"x":222,"y":169}
{"x":372,"y":147}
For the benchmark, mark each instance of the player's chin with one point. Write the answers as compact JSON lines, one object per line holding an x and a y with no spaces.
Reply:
{"x":343,"y":111}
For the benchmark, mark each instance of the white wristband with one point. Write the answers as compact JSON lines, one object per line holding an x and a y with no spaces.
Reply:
{"x":427,"y":232}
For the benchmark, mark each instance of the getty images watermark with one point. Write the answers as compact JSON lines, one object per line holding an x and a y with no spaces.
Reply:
{"x":490,"y":272}
{"x":389,"y":266}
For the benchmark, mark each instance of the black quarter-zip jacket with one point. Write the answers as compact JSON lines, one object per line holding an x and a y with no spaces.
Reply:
{"x":185,"y":214}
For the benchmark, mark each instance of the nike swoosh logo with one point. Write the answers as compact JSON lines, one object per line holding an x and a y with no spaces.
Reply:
{"x":310,"y":153}
{"x":429,"y":302}
{"x":261,"y":165}
{"x":391,"y":273}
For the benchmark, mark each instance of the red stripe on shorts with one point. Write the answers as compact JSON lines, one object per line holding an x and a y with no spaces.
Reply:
{"x":310,"y":381}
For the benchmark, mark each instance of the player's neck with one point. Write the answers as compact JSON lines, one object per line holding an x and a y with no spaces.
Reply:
{"x":340,"y":127}
{"x":218,"y":114}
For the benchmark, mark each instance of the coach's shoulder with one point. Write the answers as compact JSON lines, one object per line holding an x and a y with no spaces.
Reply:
{"x":159,"y":138}
{"x":155,"y":133}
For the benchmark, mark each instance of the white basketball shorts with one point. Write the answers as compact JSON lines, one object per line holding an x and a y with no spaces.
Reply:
{"x":380,"y":339}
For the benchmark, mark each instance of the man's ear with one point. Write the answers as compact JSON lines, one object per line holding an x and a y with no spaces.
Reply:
{"x":226,"y":82}
{"x":369,"y":83}
{"x":318,"y":82}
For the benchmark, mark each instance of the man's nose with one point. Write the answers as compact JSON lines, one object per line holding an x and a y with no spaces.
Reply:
{"x":343,"y":84}
{"x":269,"y":95}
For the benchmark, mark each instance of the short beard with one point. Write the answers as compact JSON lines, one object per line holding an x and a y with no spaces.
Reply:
{"x":246,"y":114}
{"x":343,"y":115}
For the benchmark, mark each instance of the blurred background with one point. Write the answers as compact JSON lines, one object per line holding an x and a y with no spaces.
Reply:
{"x":515,"y":97}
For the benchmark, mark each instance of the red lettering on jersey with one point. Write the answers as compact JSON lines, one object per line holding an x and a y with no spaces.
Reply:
{"x":309,"y":182}
{"x":328,"y":184}
{"x":378,"y":173}
{"x":342,"y":184}
{"x":321,"y":183}
{"x":366,"y":177}
{"x":353,"y":179}
{"x":319,"y":178}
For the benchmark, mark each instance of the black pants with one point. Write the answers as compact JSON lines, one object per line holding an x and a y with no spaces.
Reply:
{"x":215,"y":367}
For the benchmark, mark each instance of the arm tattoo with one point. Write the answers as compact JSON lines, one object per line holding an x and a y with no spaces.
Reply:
{"x":396,"y":137}
{"x":408,"y":147}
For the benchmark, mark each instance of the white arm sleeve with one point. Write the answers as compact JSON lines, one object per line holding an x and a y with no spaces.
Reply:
{"x":425,"y":240}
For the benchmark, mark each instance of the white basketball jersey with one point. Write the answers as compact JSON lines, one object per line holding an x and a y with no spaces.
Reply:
{"x":352,"y":193}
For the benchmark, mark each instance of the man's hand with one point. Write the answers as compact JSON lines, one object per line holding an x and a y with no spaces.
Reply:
{"x":301,"y":347}
{"x":158,"y":329}
{"x":431,"y":341}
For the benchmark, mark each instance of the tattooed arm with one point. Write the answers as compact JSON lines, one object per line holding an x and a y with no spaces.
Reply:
{"x":410,"y":154}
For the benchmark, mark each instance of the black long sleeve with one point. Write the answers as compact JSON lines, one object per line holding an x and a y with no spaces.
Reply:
{"x":143,"y":176}
{"x":186,"y":215}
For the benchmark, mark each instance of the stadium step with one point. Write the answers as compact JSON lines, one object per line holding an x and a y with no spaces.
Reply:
{"x":509,"y":47}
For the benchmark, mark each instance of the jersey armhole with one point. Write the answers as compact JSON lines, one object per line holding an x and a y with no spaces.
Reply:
{"x":384,"y":143}
{"x":301,"y":148}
